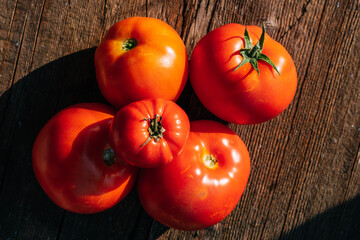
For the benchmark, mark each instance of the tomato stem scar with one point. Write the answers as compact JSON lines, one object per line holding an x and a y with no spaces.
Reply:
{"x":210,"y":161}
{"x":156,"y":130}
{"x":251,"y":54}
{"x":129,"y":44}
{"x":108,"y":156}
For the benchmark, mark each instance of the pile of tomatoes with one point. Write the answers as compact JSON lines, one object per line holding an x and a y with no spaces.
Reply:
{"x":189,"y":175}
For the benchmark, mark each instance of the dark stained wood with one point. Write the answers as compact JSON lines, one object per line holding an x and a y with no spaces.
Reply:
{"x":305,"y":175}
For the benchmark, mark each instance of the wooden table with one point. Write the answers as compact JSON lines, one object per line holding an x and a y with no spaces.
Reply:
{"x":305,"y":174}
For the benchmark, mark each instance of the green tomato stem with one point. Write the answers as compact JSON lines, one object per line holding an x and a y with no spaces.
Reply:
{"x":155,"y":129}
{"x":252,"y":54}
{"x":129,"y":44}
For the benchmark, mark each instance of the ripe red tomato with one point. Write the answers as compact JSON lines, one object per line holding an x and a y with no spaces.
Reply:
{"x":203,"y":184}
{"x":74,"y":163}
{"x":242,"y":94}
{"x":149,"y":133}
{"x":141,"y":58}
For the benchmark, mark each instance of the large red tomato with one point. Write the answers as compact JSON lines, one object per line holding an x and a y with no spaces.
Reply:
{"x":149,"y":133}
{"x":203,"y":184}
{"x":74,"y":163}
{"x":239,"y":82}
{"x":141,"y":58}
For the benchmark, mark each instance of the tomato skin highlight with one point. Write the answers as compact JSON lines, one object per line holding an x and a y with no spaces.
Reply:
{"x":189,"y":193}
{"x":68,"y":161}
{"x":242,"y":96}
{"x":129,"y":132}
{"x":155,"y":67}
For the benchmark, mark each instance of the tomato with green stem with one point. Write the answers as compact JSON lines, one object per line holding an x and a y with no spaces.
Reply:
{"x":149,"y":133}
{"x":141,"y":58}
{"x":75,"y":164}
{"x":240,"y":82}
{"x":203,"y":184}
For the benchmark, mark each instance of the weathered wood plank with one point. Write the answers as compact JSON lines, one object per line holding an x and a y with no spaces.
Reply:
{"x":333,"y":113}
{"x":16,"y":130}
{"x":13,"y":20}
{"x":33,"y":99}
{"x":12,"y":23}
{"x":119,"y":222}
{"x":305,"y":173}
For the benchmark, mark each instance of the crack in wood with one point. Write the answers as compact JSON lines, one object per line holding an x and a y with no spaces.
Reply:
{"x":212,"y":15}
{"x":183,"y":12}
{"x":355,"y":162}
{"x":187,"y":34}
{"x":9,"y":32}
{"x":103,"y":21}
{"x":303,"y":11}
{"x":146,"y":8}
{"x":12,"y":18}
{"x":36,"y":36}
{"x":179,"y":17}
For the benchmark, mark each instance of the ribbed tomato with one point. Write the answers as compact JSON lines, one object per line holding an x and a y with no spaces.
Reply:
{"x":149,"y":133}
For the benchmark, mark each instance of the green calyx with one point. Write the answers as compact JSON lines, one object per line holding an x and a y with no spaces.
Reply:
{"x":108,"y":156}
{"x":252,"y":54}
{"x":155,"y":129}
{"x":129,"y":44}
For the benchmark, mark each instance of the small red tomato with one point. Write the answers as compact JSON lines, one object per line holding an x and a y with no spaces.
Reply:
{"x":149,"y":133}
{"x":203,"y":184}
{"x":239,"y":82}
{"x":74,"y":163}
{"x":141,"y":58}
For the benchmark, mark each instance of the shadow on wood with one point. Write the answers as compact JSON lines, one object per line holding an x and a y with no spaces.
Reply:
{"x":24,"y":109}
{"x":339,"y":222}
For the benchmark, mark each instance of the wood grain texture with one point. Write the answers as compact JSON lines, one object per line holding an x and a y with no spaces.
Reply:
{"x":305,"y":173}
